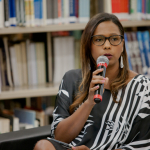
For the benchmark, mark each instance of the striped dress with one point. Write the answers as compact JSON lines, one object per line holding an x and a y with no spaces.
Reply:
{"x":109,"y":125}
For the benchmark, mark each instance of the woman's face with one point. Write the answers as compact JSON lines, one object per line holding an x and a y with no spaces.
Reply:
{"x":113,"y":53}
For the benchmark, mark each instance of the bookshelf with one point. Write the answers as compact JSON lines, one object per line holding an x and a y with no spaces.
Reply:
{"x":65,"y":27}
{"x":24,"y":92}
{"x":48,"y":90}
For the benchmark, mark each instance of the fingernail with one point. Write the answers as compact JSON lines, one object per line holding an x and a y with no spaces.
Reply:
{"x":104,"y":78}
{"x":97,"y":86}
{"x":73,"y":148}
{"x":103,"y":81}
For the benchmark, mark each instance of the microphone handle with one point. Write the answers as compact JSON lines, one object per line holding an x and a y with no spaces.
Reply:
{"x":99,"y":92}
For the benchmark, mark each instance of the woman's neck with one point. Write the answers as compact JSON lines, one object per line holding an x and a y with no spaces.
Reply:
{"x":111,"y":73}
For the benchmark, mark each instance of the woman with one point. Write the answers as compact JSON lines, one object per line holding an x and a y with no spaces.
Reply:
{"x":121,"y":120}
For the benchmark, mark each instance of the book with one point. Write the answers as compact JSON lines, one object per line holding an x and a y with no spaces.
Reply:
{"x":49,"y":52}
{"x":139,"y":9}
{"x":19,"y":62}
{"x":146,"y":39}
{"x":131,"y":51}
{"x":108,"y":6}
{"x":31,"y":63}
{"x":37,"y":12}
{"x":18,"y":19}
{"x":14,"y":66}
{"x":40,"y":58}
{"x":49,"y":12}
{"x":136,"y":53}
{"x":6,"y":14}
{"x":24,"y":63}
{"x":14,"y":121}
{"x":8,"y":67}
{"x":72,"y":13}
{"x":60,"y":11}
{"x":65,"y":13}
{"x":140,"y":42}
{"x":31,"y":13}
{"x":2,"y":79}
{"x":44,"y":9}
{"x":27,"y":13}
{"x":25,"y":116}
{"x":12,"y":13}
{"x":55,"y":11}
{"x":22,"y":13}
{"x":84,"y":11}
{"x":2,"y":13}
{"x":4,"y":125}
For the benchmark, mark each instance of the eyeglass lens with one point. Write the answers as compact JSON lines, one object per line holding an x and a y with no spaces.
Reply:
{"x":100,"y":40}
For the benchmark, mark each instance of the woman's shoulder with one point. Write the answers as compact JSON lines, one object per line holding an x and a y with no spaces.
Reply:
{"x":74,"y":74}
{"x":138,"y":78}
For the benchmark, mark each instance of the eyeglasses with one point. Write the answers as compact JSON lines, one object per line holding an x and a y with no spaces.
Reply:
{"x":100,"y":39}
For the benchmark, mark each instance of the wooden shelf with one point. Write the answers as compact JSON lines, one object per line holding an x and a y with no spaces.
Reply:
{"x":65,"y":27}
{"x":24,"y":92}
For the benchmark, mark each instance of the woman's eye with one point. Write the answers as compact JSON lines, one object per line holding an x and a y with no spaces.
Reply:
{"x":114,"y":39}
{"x":98,"y":40}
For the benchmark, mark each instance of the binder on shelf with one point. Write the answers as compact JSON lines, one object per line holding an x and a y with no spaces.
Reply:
{"x":127,"y":49}
{"x":25,"y":116}
{"x":139,"y":38}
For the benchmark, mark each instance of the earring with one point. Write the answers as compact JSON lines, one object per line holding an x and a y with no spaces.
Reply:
{"x":121,"y":62}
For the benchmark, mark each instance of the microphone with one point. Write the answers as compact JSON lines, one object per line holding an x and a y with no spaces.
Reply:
{"x":102,"y":62}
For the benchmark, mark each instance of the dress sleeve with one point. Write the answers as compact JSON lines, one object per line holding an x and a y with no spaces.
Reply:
{"x":139,"y":137}
{"x":64,"y":99}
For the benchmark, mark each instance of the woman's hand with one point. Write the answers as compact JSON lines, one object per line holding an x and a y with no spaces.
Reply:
{"x":96,"y":79}
{"x":82,"y":147}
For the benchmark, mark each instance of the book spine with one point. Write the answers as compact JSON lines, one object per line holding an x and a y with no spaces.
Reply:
{"x":72,"y":17}
{"x":139,"y":37}
{"x":6,"y":7}
{"x":22,"y":13}
{"x":77,"y":10}
{"x":37,"y":12}
{"x":31,"y":7}
{"x":133,"y":9}
{"x":49,"y":12}
{"x":108,"y":6}
{"x":55,"y":11}
{"x":14,"y":21}
{"x":43,"y":23}
{"x":84,"y":11}
{"x":66,"y":11}
{"x":139,"y":9}
{"x":27,"y":12}
{"x":127,"y":49}
{"x":59,"y":11}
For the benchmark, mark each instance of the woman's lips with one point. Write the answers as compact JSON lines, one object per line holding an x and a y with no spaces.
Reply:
{"x":108,"y":56}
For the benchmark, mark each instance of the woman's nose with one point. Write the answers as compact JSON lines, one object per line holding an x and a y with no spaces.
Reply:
{"x":107,"y":44}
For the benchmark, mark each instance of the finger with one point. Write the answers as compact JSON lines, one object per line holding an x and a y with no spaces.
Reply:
{"x":106,"y":81}
{"x":93,"y":82}
{"x":82,"y":147}
{"x":94,"y":88}
{"x":97,"y":77}
{"x":97,"y":71}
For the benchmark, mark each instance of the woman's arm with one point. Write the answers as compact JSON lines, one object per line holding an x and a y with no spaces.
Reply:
{"x":70,"y":127}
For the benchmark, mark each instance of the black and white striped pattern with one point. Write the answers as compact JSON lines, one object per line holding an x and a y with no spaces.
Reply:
{"x":110,"y":125}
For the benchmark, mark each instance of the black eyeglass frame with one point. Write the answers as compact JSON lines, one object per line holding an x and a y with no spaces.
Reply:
{"x":122,"y":37}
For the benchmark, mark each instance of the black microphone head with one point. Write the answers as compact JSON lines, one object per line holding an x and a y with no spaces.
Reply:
{"x":102,"y":59}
